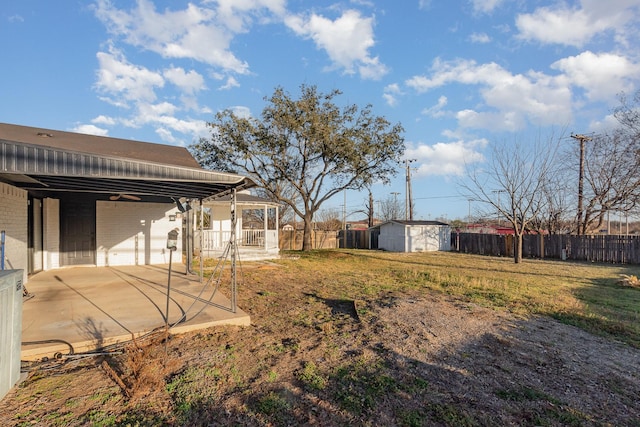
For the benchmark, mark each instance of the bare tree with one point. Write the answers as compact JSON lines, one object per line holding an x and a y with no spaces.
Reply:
{"x":328,"y":220}
{"x":609,"y":168}
{"x":511,"y":184}
{"x":611,"y":181}
{"x":391,"y":208}
{"x":628,"y":113}
{"x":556,"y":212}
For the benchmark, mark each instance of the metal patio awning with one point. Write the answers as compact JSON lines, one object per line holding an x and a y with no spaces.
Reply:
{"x":82,"y":164}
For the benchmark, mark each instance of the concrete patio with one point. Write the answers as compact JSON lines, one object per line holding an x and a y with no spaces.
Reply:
{"x":81,"y":309}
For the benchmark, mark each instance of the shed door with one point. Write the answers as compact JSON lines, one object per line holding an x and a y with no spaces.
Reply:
{"x":77,"y":232}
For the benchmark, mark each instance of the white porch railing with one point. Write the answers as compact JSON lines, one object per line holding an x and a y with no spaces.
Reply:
{"x":216,"y":240}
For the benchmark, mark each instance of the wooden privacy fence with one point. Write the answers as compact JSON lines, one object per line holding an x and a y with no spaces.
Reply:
{"x":291,"y":240}
{"x":355,"y":239}
{"x":620,"y":249}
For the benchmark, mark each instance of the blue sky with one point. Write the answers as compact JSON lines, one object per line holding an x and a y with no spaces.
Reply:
{"x":459,"y":75}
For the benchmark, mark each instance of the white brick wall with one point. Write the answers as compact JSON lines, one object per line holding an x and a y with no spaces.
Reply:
{"x":135,"y":233}
{"x":13,"y":220}
{"x":51,"y":233}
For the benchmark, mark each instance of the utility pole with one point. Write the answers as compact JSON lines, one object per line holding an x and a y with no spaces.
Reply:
{"x":580,"y":227}
{"x":371,"y":211}
{"x":499,"y":192}
{"x":344,"y":221}
{"x":408,"y":215}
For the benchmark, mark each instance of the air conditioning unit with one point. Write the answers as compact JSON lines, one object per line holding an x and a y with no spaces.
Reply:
{"x":11,"y":291}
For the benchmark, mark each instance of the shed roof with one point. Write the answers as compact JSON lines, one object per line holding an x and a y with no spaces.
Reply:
{"x":50,"y":161}
{"x":407,"y":222}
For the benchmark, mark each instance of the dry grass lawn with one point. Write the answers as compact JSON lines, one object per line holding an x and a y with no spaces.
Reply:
{"x":372,"y":338}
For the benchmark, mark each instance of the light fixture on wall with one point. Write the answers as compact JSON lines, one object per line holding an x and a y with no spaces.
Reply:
{"x":181,"y":207}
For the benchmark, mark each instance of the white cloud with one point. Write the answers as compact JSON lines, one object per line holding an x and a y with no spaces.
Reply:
{"x":605,"y":125}
{"x":513,"y":99}
{"x":134,"y":87}
{"x":479,"y":38}
{"x":498,"y":121}
{"x":15,"y":18}
{"x":424,"y":4}
{"x":241,"y":111}
{"x":575,"y":26}
{"x":601,"y":75}
{"x":346,"y":40}
{"x":104,"y":120}
{"x":485,"y":6}
{"x":161,"y":109}
{"x":189,"y":82}
{"x":193,"y":33}
{"x":90,"y":130}
{"x":230,"y":83}
{"x":436,"y":110}
{"x":391,"y":93}
{"x":123,"y":81}
{"x":167,"y":136}
{"x":446,"y":158}
{"x":239,"y":14}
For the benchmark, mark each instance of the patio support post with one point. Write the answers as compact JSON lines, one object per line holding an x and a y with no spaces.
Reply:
{"x":233,"y":248}
{"x":265,"y":226}
{"x":201,"y":234}
{"x":277,"y":228}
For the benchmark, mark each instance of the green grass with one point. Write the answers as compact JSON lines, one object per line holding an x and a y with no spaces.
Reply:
{"x":311,"y":377}
{"x":360,"y":384}
{"x":274,"y":406}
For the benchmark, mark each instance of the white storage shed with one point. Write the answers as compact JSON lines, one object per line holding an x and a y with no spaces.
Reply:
{"x":414,"y":236}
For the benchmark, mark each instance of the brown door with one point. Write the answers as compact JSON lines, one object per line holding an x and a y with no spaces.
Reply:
{"x":77,"y":231}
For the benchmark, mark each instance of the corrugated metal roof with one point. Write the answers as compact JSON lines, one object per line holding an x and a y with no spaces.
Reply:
{"x":98,"y":145}
{"x":68,"y":162}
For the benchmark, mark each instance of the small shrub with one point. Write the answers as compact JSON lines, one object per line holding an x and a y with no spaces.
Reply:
{"x":629,"y":280}
{"x":310,"y":376}
{"x":274,"y":406}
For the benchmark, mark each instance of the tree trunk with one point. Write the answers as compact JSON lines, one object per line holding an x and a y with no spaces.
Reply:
{"x":517,"y":248}
{"x":307,"y":244}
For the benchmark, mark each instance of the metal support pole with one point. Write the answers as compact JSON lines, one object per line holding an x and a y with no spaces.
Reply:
{"x":233,"y":249}
{"x":2,"y":239}
{"x":172,"y":245}
{"x":201,"y":228}
{"x":166,"y":312}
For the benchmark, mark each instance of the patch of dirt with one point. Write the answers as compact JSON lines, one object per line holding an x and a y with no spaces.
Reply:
{"x":493,"y":359}
{"x":315,"y":356}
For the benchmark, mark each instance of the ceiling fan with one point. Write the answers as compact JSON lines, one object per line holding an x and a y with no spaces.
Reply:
{"x":124,"y":196}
